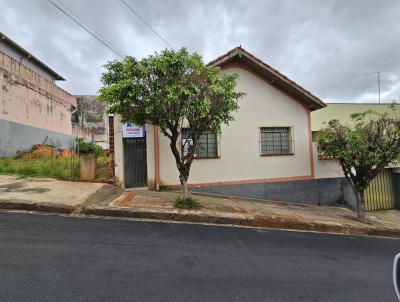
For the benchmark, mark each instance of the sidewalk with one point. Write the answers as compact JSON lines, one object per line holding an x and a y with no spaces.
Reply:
{"x":243,"y":212}
{"x":50,"y":195}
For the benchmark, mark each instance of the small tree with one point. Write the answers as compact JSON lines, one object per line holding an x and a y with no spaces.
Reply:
{"x":363,"y":148}
{"x":172,"y":89}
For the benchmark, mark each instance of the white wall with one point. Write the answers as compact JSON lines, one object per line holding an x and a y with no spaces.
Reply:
{"x":239,"y":142}
{"x":326,"y":168}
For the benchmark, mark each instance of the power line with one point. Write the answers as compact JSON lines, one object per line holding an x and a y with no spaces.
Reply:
{"x":145,"y":23}
{"x":86,"y":28}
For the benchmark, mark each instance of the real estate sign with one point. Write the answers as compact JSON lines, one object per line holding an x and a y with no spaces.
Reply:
{"x":132,"y":130}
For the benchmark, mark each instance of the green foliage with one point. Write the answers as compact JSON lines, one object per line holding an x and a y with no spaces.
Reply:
{"x":88,"y":147}
{"x":171,"y":89}
{"x":365,"y":147}
{"x":187,"y":203}
{"x":167,"y":87}
{"x":59,"y":168}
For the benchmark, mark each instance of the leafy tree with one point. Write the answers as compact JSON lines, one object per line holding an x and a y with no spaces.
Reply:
{"x":364,"y":148}
{"x":172,"y":89}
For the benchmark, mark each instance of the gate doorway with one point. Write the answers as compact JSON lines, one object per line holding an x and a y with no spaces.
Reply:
{"x":135,"y":162}
{"x":380,"y":193}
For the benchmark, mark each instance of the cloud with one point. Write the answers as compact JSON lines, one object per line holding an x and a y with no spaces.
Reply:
{"x":326,"y":46}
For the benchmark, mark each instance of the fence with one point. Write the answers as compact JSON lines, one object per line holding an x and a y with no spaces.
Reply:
{"x":380,"y":193}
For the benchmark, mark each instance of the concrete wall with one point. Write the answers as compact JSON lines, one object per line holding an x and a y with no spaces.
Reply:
{"x":18,"y":137}
{"x":28,"y":99}
{"x":240,"y":158}
{"x":326,"y":168}
{"x":327,"y":191}
{"x":90,"y":120}
{"x":119,"y":152}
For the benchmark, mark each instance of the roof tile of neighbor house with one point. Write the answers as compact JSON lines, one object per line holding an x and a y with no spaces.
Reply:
{"x":342,"y":112}
{"x":273,"y":76}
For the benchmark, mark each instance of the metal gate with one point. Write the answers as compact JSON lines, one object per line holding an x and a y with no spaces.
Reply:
{"x":135,"y":162}
{"x":380,"y":193}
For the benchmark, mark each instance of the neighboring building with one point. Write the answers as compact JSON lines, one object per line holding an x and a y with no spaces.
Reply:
{"x":384,"y":191}
{"x":266,"y":153}
{"x":342,"y":112}
{"x":33,"y":109}
{"x":90,"y":120}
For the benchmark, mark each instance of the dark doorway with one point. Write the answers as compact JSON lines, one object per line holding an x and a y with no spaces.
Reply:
{"x":135,"y":162}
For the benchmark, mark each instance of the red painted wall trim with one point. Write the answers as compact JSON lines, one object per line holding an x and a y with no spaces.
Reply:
{"x":306,"y":109}
{"x":242,"y":182}
{"x":156,"y":159}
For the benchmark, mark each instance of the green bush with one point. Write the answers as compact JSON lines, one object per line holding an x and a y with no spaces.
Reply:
{"x":88,"y":147}
{"x":188,"y":203}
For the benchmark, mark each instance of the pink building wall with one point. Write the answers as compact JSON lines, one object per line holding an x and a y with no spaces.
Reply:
{"x":29,"y":99}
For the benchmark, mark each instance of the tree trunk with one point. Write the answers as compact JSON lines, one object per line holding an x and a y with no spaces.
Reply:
{"x":184,"y":193}
{"x":360,"y":206}
{"x":183,"y":179}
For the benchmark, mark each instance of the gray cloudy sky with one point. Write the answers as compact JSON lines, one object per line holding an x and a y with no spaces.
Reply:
{"x":323,"y":45}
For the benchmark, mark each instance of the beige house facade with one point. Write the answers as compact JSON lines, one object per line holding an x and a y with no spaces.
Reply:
{"x":239,"y":158}
{"x":266,"y":153}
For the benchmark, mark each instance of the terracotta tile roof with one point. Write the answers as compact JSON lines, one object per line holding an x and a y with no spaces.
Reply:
{"x":271,"y":74}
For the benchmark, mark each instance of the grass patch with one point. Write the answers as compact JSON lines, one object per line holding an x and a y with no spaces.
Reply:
{"x":187,"y":203}
{"x":59,"y":168}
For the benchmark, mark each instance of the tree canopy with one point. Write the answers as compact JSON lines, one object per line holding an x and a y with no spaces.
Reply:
{"x":171,"y":89}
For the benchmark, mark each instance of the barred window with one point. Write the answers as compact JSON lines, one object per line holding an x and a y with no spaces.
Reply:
{"x":276,"y":141}
{"x":207,"y":144}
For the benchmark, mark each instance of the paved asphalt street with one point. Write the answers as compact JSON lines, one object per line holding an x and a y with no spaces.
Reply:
{"x":54,"y":258}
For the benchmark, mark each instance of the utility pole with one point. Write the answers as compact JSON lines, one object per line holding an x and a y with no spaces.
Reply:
{"x":379,"y":83}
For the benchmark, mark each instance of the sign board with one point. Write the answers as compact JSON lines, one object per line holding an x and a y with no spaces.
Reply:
{"x":131,"y":130}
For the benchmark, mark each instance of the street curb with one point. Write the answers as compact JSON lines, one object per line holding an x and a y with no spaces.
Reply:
{"x":270,"y":222}
{"x":39,"y":206}
{"x":265,"y":222}
{"x":54,"y":208}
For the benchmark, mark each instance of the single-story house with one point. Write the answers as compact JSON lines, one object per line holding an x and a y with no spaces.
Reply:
{"x":266,"y":153}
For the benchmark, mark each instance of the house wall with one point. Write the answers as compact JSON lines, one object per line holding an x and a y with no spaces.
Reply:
{"x":18,"y":137}
{"x":29,"y":102}
{"x":240,"y":170}
{"x":240,"y":159}
{"x":328,"y":188}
